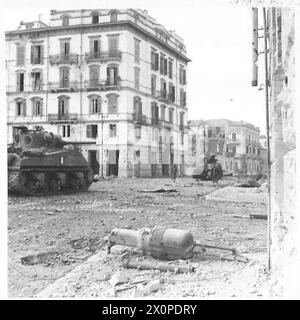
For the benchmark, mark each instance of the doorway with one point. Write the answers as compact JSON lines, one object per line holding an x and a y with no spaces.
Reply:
{"x":113,"y":163}
{"x":93,"y":162}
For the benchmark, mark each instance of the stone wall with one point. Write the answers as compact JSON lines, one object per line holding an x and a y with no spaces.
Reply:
{"x":284,"y":247}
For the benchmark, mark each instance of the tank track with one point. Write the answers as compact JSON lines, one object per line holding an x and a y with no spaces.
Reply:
{"x":21,"y":182}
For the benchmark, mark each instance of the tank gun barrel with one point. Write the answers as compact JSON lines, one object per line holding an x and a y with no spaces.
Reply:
{"x":78,"y":142}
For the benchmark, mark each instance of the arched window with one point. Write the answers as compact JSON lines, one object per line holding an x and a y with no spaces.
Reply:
{"x":113,"y":16}
{"x":65,"y":20}
{"x":112,"y":74}
{"x":94,"y":104}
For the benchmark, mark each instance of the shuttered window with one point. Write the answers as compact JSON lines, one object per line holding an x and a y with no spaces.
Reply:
{"x":64,"y":77}
{"x":112,"y":101}
{"x":171,"y":112}
{"x":162,"y":112}
{"x":153,"y":84}
{"x":20,"y":81}
{"x":94,"y":75}
{"x":65,"y":47}
{"x":136,"y":78}
{"x":37,"y":54}
{"x":91,"y":131}
{"x":20,"y":55}
{"x":112,"y":76}
{"x":37,"y":106}
{"x":113,"y":46}
{"x":136,"y":51}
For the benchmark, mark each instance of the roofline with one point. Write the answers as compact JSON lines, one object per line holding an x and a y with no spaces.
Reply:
{"x":83,"y":26}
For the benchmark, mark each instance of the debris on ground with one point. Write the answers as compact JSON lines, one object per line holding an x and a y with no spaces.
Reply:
{"x":162,"y":190}
{"x":118,"y":277}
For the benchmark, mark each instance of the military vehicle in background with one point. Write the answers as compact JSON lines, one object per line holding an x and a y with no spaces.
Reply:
{"x":41,"y":163}
{"x":207,"y":172}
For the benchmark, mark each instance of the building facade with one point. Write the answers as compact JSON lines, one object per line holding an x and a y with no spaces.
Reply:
{"x":235,"y":143}
{"x":116,"y":78}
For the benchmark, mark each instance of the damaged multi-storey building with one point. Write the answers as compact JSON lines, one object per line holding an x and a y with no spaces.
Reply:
{"x":236,"y":145}
{"x":116,"y":78}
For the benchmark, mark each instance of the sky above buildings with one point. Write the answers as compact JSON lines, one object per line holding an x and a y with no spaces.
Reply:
{"x":218,"y":40}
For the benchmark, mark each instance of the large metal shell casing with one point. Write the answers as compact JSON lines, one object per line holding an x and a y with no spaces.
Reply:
{"x":169,"y":243}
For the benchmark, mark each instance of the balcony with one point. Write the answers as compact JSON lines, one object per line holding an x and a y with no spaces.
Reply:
{"x":139,"y":118}
{"x":62,"y":118}
{"x":162,"y":96}
{"x":25,"y":88}
{"x":103,"y":56}
{"x":63,"y":86}
{"x":166,"y":124}
{"x":71,"y":58}
{"x":105,"y":84}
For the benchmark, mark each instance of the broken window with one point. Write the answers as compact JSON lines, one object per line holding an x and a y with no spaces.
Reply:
{"x":112,"y":130}
{"x":91,"y":131}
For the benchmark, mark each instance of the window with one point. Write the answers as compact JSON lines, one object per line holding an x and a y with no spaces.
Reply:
{"x":154,"y":113}
{"x":136,"y":78}
{"x":94,"y":48}
{"x":21,"y":107}
{"x":36,"y":54}
{"x":112,"y":130}
{"x":113,"y":16}
{"x":63,"y":105}
{"x":194,"y":142}
{"x":138,"y":132}
{"x":65,"y":20}
{"x":171,"y":115}
{"x":163,"y":88}
{"x":218,"y":130}
{"x":36,"y":80}
{"x":91,"y":131}
{"x":170,"y":68}
{"x":163,"y":65}
{"x":182,"y":138}
{"x":20,"y":81}
{"x":65,"y":47}
{"x":20,"y":55}
{"x":94,"y":71}
{"x":95,"y":18}
{"x":160,"y":149}
{"x":112,"y":101}
{"x":182,"y":98}
{"x":66,"y":131}
{"x":112,"y":75}
{"x":113,"y":46}
{"x":153,"y":84}
{"x":209,"y":133}
{"x":95,"y":104}
{"x":154,"y":61}
{"x":181,"y":121}
{"x":64,"y":76}
{"x":136,"y":51}
{"x":233,"y":136}
{"x":234,"y":150}
{"x":162,"y":112}
{"x":182,"y":76}
{"x":37,"y":106}
{"x":137,"y":106}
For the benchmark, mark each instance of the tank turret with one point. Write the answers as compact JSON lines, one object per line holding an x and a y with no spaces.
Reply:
{"x":38,"y":164}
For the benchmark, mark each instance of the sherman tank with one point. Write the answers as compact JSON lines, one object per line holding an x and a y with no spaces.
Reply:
{"x":206,"y":172}
{"x":41,"y":163}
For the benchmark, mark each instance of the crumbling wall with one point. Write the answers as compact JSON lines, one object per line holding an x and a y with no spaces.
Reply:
{"x":284,"y":249}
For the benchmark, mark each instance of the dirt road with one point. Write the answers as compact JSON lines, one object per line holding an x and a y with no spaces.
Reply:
{"x":48,"y":237}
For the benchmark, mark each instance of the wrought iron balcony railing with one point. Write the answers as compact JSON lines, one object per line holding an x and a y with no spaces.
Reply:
{"x":107,"y":83}
{"x":63,"y":86}
{"x":71,"y":58}
{"x":54,"y":117}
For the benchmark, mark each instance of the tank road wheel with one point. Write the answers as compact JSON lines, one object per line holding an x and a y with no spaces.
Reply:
{"x":44,"y":188}
{"x":33,"y":186}
{"x":75,"y":183}
{"x":55,"y":185}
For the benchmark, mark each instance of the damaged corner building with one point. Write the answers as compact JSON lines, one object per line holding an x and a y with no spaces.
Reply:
{"x":114,"y":77}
